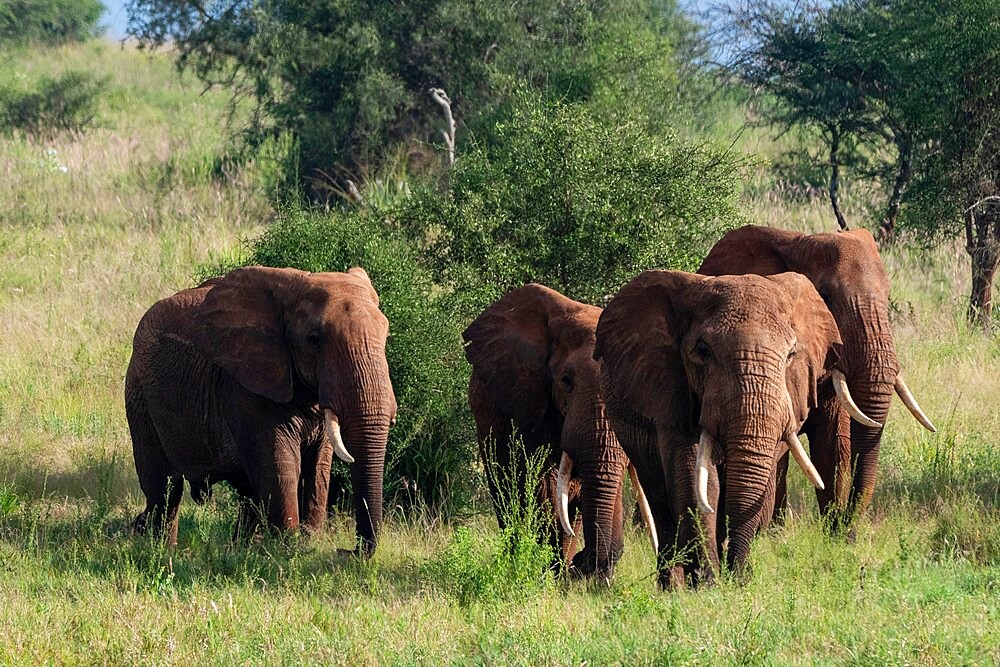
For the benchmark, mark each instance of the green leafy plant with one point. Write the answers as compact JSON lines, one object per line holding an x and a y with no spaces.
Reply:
{"x":510,"y":564}
{"x":68,"y":102}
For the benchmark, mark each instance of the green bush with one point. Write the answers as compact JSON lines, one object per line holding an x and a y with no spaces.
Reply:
{"x":556,"y":197}
{"x":48,"y":21}
{"x":579,"y":205}
{"x":351,"y":81}
{"x":508,"y":565}
{"x":65,"y":103}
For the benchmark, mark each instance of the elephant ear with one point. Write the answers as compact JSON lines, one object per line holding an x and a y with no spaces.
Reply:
{"x":240,"y":328}
{"x":362,"y":276}
{"x":752,"y":249}
{"x":509,"y":346}
{"x":819,"y":342}
{"x":638,"y":344}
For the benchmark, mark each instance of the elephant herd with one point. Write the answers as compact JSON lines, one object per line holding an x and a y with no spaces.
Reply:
{"x":696,"y":385}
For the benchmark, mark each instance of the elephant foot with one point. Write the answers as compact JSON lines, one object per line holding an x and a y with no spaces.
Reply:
{"x":585,"y":564}
{"x":140,"y":524}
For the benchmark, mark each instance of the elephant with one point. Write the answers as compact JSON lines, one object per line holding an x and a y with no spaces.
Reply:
{"x":258,"y":378}
{"x":707,"y":381}
{"x":534,"y":377}
{"x":846,"y":430}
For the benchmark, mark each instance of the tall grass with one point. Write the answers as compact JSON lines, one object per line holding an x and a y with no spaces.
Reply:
{"x":142,"y":205}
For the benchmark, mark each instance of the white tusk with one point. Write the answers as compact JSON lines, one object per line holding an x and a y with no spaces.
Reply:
{"x":333,"y":433}
{"x":705,"y":445}
{"x":911,"y":404}
{"x":562,"y":493}
{"x":844,"y":396}
{"x":800,"y":456}
{"x":797,"y":450}
{"x":644,"y":510}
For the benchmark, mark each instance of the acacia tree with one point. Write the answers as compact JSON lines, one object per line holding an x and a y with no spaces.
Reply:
{"x":917,"y":77}
{"x":351,"y":82}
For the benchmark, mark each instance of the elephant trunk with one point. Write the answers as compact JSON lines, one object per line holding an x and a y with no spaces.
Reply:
{"x":367,"y":437}
{"x":601,"y":507}
{"x":360,"y":398}
{"x":872,"y":369}
{"x":599,"y":464}
{"x":749,"y":497}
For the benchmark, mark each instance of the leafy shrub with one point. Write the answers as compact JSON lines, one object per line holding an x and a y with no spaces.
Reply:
{"x":48,"y":21}
{"x":581,"y":206}
{"x":350,"y":81}
{"x":431,"y":445}
{"x":65,"y":103}
{"x":510,"y":564}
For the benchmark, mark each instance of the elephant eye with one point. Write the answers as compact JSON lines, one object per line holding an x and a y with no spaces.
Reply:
{"x":793,"y":351}
{"x":823,"y":294}
{"x":702,"y":351}
{"x":567,"y":381}
{"x":313,"y":338}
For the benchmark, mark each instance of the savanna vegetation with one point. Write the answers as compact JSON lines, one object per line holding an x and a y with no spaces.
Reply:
{"x":567,"y":171}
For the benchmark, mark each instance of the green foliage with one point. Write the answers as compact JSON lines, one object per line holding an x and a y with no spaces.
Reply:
{"x":560,"y":198}
{"x":68,"y":102}
{"x":510,"y":565}
{"x":350,"y":81}
{"x":48,"y":21}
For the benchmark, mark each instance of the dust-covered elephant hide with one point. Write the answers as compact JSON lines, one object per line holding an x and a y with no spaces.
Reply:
{"x":534,"y":378}
{"x":707,"y":381}
{"x":258,"y":378}
{"x":845,"y":432}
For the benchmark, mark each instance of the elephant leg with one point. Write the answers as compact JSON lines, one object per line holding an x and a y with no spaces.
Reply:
{"x":315,"y":485}
{"x":494,"y":431}
{"x":781,"y":490}
{"x":277,"y":483}
{"x":160,"y":485}
{"x":829,"y":432}
{"x":696,"y":532}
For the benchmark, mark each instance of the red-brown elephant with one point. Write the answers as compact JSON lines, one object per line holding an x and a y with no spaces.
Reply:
{"x":257,"y":378}
{"x":707,"y":382}
{"x":847,"y":271}
{"x":533,"y":372}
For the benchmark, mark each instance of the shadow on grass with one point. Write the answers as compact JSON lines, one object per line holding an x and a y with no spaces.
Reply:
{"x":90,"y":540}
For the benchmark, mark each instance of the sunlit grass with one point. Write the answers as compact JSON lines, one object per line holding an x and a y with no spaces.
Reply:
{"x":140,"y":208}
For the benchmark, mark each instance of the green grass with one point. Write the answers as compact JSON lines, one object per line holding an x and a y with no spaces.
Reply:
{"x":83,"y":253}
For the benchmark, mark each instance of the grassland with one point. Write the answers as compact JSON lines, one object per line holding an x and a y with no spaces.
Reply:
{"x":134,"y":214}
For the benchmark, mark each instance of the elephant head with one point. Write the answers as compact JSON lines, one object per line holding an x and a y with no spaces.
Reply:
{"x":532,"y":358}
{"x":847,"y":271}
{"x":314,"y":338}
{"x":730,"y":363}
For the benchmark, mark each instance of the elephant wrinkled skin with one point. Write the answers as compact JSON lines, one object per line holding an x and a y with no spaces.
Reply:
{"x":533,"y":372}
{"x":847,"y":271}
{"x":707,"y":380}
{"x":257,"y":378}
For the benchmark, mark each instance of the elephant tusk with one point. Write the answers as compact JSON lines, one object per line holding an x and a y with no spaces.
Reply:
{"x":705,"y":445}
{"x":333,"y":433}
{"x":844,"y":396}
{"x":797,"y":450}
{"x":800,"y":456}
{"x":911,"y":404}
{"x":562,"y":493}
{"x":647,"y":514}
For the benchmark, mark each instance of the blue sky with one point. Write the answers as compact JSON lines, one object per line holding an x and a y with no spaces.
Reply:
{"x":115,"y":18}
